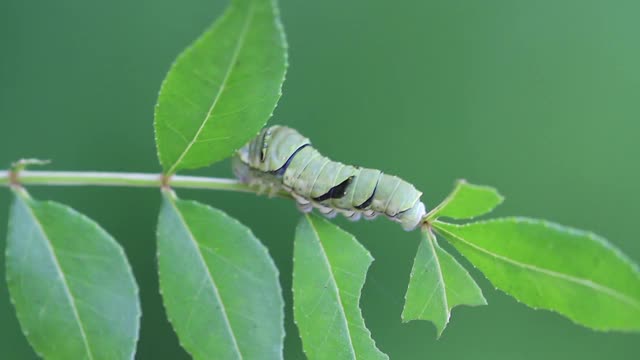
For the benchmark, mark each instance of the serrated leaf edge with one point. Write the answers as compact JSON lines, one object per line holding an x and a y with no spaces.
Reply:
{"x":22,"y":195}
{"x":576,"y":280}
{"x":232,"y":65}
{"x":285,"y":46}
{"x":435,"y":247}
{"x":433,"y":214}
{"x":430,"y":239}
{"x":307,"y":218}
{"x":335,"y":285}
{"x":169,"y":198}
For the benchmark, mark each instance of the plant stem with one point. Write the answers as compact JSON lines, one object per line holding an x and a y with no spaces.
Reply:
{"x":78,"y":178}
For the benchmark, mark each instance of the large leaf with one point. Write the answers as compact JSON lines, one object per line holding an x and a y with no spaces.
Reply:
{"x":438,"y":283}
{"x":329,"y":270}
{"x":71,"y":284}
{"x":222,"y":89}
{"x":219,"y":285}
{"x":575,"y":273}
{"x":467,"y":201}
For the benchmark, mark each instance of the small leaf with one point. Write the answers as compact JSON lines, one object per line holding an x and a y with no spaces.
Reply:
{"x":548,"y":266}
{"x":222,"y":90}
{"x":329,"y":270}
{"x":438,"y":283}
{"x":219,"y":285}
{"x":70,"y":282}
{"x":467,"y":201}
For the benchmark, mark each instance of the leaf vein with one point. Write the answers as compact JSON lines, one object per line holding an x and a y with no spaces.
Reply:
{"x":214,"y":287}
{"x":580,"y":281}
{"x":232,"y":64}
{"x":67,"y":290}
{"x":335,"y":287}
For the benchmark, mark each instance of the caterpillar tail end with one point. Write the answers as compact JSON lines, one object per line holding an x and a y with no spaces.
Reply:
{"x":413,"y":217}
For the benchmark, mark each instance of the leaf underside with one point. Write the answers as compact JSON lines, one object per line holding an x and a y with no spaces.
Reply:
{"x":222,"y":89}
{"x":219,"y":285}
{"x":548,"y":266}
{"x":329,"y":271}
{"x":70,"y":282}
{"x":438,"y":283}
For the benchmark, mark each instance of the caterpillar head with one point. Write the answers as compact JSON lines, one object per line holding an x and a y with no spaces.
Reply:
{"x":243,"y":154}
{"x":241,"y":169}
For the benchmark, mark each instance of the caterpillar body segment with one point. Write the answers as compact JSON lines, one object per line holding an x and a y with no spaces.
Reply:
{"x":279,"y":158}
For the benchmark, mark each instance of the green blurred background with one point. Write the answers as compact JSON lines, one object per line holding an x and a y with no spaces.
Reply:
{"x":538,"y":98}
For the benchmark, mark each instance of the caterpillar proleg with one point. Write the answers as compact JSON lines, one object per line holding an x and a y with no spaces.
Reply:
{"x":279,"y":158}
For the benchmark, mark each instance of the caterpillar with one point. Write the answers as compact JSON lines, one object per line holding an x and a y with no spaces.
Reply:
{"x":281,"y":159}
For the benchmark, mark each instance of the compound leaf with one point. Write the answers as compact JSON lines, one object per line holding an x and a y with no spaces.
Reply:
{"x":219,"y":285}
{"x":329,"y":270}
{"x":467,"y":201}
{"x":438,"y":283}
{"x":222,"y":89}
{"x":70,"y":282}
{"x":575,"y":273}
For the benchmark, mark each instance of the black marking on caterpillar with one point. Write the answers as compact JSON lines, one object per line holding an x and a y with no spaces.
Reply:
{"x":286,"y":165}
{"x":335,"y":192}
{"x":367,"y":202}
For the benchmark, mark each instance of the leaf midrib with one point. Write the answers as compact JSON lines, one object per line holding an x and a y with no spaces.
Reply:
{"x":335,"y":287}
{"x":232,"y":64}
{"x":579,"y":281}
{"x":429,"y":239}
{"x":223,"y":308}
{"x":67,"y":289}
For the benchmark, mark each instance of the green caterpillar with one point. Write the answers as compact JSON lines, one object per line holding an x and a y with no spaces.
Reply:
{"x":280,"y":158}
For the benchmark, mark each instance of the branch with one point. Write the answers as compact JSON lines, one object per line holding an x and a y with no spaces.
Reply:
{"x":77,"y":178}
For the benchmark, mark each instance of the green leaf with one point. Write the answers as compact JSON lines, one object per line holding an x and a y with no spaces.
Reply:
{"x":222,"y":90}
{"x":467,"y":201}
{"x":71,"y":284}
{"x":219,"y":285}
{"x":548,"y":266}
{"x":329,"y":270}
{"x":438,"y":283}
